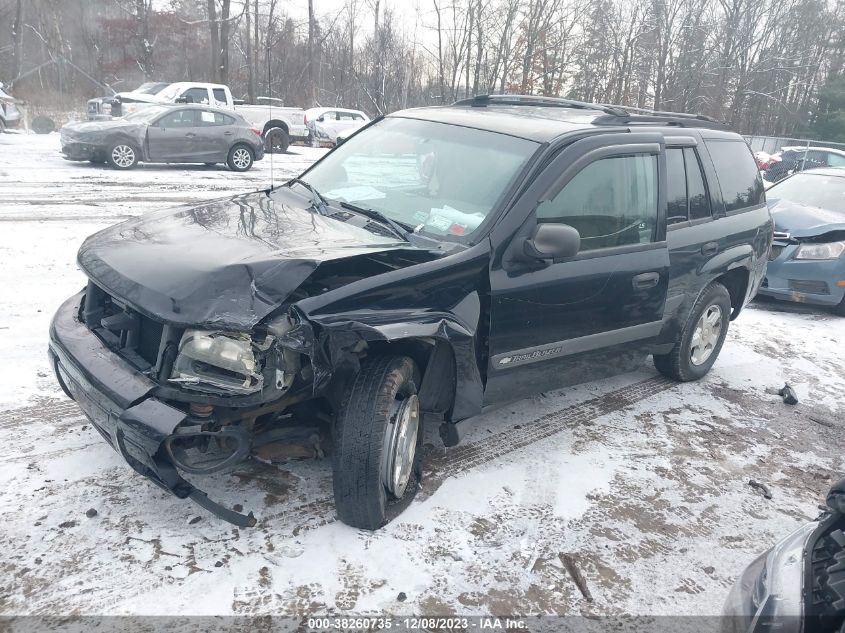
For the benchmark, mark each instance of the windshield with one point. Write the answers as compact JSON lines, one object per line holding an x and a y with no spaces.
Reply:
{"x":444,"y":179}
{"x":151,"y":87}
{"x":147,"y":114}
{"x":813,"y":190}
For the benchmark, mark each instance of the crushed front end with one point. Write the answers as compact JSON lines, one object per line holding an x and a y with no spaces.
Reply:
{"x":175,"y":400}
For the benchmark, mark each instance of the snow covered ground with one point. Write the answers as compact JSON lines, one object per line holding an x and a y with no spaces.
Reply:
{"x":641,"y":483}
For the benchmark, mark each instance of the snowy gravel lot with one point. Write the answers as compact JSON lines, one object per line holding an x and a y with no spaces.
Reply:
{"x":642,"y":483}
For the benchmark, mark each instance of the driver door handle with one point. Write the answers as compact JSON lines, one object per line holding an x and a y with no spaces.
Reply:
{"x":190,"y":135}
{"x":643,"y":281}
{"x":228,"y":133}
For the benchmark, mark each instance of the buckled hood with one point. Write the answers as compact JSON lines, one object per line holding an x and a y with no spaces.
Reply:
{"x":804,"y":221}
{"x":227,"y":263}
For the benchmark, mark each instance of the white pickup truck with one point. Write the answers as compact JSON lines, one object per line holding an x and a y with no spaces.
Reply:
{"x":279,"y":125}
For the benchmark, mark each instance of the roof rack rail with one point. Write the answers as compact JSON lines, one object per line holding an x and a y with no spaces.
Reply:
{"x":480,"y":101}
{"x":613,"y":114}
{"x":663,"y":113}
{"x":672,"y":119}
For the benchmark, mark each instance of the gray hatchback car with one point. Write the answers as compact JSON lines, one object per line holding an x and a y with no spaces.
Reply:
{"x":166,"y":134}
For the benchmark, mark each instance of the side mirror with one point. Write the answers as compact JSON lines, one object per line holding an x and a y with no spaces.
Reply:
{"x":181,"y":100}
{"x":553,"y":241}
{"x":321,"y":118}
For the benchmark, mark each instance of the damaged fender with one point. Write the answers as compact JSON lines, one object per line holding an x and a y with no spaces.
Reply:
{"x":416,"y":304}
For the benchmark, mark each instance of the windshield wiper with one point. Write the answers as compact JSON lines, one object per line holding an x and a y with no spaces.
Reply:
{"x":398,"y":228}
{"x":318,"y":202}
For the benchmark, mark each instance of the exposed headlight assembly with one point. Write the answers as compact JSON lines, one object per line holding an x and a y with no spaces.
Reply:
{"x":826,"y":250}
{"x":217,"y":362}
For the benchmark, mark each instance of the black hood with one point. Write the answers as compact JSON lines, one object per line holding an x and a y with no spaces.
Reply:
{"x":804,"y":221}
{"x":227,"y":263}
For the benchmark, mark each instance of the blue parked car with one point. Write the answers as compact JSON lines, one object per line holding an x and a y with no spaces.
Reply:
{"x":807,"y":261}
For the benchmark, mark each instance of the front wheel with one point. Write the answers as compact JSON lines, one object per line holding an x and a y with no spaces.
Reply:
{"x":122,"y":155}
{"x":240,"y":158}
{"x":377,"y":437}
{"x":701,"y":339}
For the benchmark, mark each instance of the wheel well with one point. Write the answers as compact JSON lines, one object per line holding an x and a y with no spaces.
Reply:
{"x":275,"y":123}
{"x":436,"y":362}
{"x":736,"y":282}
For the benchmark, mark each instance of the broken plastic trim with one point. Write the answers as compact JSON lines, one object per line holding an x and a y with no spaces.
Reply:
{"x":235,"y":518}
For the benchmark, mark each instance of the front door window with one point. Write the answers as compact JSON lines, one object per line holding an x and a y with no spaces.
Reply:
{"x":611,"y":202}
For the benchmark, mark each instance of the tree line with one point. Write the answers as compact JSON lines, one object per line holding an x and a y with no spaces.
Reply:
{"x":765,"y":66}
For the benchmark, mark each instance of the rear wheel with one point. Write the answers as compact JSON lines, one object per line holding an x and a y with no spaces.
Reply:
{"x":377,"y":438}
{"x":276,"y":141}
{"x":2,"y":126}
{"x":240,"y":158}
{"x":840,"y":308}
{"x":701,"y":339}
{"x":122,"y":155}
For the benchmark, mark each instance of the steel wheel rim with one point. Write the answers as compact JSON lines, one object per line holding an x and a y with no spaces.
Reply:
{"x":706,"y":335}
{"x":401,"y":444}
{"x":123,"y":155}
{"x":241,"y":158}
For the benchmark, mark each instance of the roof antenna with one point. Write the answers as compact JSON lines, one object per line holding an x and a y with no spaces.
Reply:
{"x":270,"y":105}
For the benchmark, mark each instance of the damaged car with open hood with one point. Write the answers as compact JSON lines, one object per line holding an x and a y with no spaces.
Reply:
{"x":441,"y":261}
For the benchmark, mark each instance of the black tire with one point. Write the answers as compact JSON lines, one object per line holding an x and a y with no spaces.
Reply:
{"x":122,"y":155}
{"x":2,"y":126}
{"x":679,"y":364}
{"x":362,"y":431}
{"x":241,"y":157}
{"x":840,"y":308}
{"x":276,"y":141}
{"x":43,"y":124}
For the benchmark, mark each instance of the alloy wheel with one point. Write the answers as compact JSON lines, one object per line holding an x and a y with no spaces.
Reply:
{"x":241,"y":158}
{"x":123,"y":155}
{"x":401,"y":444}
{"x":706,"y":336}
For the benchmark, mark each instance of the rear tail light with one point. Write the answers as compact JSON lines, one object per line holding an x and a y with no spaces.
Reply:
{"x":304,"y":119}
{"x":256,"y":130}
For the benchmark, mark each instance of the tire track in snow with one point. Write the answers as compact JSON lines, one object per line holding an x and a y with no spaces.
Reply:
{"x":464,"y":458}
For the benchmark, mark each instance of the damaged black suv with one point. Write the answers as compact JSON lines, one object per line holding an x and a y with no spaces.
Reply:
{"x":439,"y":261}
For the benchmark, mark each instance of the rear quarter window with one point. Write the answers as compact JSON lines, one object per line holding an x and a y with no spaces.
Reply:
{"x":737,"y":173}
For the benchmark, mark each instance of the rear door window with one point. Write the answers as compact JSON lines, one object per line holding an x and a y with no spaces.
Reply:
{"x":611,"y":202}
{"x":699,"y":201}
{"x":676,"y":187}
{"x":215,"y":118}
{"x":737,"y":174}
{"x":686,"y":193}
